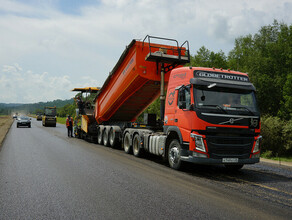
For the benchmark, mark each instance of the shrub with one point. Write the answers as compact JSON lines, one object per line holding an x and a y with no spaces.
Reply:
{"x":272,"y":132}
{"x":287,"y":137}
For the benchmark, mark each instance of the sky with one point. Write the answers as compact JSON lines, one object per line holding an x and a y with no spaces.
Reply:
{"x":48,"y":47}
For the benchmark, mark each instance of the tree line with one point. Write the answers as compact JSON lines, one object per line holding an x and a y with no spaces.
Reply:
{"x":34,"y":108}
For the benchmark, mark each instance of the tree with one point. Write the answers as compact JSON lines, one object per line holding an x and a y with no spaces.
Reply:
{"x":267,"y":57}
{"x":207,"y":58}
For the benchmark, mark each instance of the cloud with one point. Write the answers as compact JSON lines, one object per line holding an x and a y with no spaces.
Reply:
{"x":81,"y":49}
{"x":27,"y":87}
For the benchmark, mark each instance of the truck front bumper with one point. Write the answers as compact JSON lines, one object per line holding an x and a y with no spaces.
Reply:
{"x":199,"y":160}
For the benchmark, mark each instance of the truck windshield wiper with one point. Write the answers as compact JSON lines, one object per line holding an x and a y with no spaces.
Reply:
{"x":243,"y":107}
{"x":218,"y":107}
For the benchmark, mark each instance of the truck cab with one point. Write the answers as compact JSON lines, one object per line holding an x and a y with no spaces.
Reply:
{"x":214,"y":115}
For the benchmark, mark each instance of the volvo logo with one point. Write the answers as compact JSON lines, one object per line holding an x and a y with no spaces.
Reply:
{"x":230,"y":121}
{"x":254,"y":123}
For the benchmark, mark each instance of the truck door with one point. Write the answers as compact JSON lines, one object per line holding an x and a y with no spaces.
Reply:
{"x":183,"y":114}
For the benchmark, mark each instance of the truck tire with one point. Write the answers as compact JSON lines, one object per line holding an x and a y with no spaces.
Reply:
{"x":112,"y":138}
{"x":137,"y":151}
{"x":105,"y":137}
{"x":174,"y":149}
{"x":233,"y":167}
{"x":127,"y":143}
{"x":100,"y":136}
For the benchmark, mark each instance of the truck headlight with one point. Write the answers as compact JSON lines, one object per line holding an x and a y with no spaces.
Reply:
{"x":257,"y":145}
{"x":199,"y":142}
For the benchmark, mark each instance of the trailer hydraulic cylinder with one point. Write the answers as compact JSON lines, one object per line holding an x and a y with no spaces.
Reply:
{"x":162,"y":95}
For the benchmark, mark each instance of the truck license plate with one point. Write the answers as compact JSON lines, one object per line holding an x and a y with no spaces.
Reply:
{"x":230,"y":160}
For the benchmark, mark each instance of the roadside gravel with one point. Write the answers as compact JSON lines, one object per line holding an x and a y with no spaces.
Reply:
{"x":5,"y":124}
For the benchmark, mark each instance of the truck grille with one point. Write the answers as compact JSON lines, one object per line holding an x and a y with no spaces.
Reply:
{"x":224,"y":147}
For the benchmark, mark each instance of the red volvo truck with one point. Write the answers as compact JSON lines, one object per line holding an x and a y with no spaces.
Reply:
{"x":208,"y":115}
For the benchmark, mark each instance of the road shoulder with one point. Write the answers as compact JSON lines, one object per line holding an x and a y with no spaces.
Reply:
{"x":280,"y":163}
{"x":5,"y":124}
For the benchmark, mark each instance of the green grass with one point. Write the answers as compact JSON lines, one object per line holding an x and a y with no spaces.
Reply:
{"x":61,"y":120}
{"x":285,"y":159}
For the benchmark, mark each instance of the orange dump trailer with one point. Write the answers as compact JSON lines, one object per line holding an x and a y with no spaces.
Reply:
{"x":134,"y":83}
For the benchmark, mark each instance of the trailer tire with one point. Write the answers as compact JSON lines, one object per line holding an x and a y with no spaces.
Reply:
{"x":137,"y":151}
{"x":99,"y":137}
{"x":112,"y":138}
{"x":173,"y":155}
{"x":105,"y":137}
{"x":127,"y":143}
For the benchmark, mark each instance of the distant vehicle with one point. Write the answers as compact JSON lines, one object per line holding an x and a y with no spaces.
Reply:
{"x":39,"y":117}
{"x":23,"y":121}
{"x":14,"y":116}
{"x":49,"y":118}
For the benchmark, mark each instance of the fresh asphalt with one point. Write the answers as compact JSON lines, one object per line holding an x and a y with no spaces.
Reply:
{"x":46,"y":175}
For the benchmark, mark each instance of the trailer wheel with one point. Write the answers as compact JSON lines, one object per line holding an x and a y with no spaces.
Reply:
{"x":127,"y":143}
{"x":137,"y":151}
{"x":105,"y":137}
{"x":99,"y":138}
{"x":174,"y":155}
{"x":112,"y":140}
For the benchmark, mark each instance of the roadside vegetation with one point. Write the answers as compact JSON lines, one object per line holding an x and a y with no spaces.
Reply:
{"x":61,"y":120}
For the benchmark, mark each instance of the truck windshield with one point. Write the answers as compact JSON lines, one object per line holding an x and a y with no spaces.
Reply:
{"x":226,"y":100}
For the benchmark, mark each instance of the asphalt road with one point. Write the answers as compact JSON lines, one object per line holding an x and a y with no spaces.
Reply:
{"x":46,"y":175}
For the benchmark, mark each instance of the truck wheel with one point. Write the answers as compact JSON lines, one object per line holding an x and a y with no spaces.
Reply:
{"x":112,"y":141}
{"x":105,"y":138}
{"x":174,"y":154}
{"x":233,"y":167}
{"x":137,"y":151}
{"x":99,"y":137}
{"x":127,"y":143}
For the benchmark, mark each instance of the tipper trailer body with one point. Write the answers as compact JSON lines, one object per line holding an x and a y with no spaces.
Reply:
{"x":134,"y":83}
{"x":198,"y":124}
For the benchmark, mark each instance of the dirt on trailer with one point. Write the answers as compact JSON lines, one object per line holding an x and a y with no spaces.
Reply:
{"x":5,"y":124}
